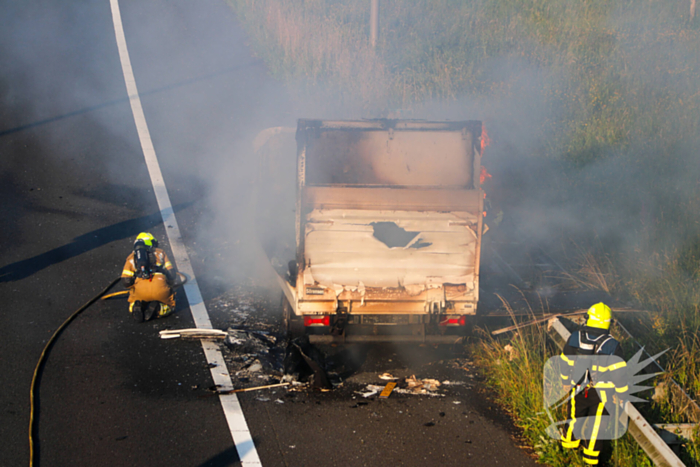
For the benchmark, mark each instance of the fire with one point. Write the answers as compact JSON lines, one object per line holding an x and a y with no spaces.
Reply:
{"x":485,"y":175}
{"x":485,"y":140}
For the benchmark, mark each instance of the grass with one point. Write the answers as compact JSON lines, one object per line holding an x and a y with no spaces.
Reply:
{"x":514,"y":368}
{"x":611,"y":74}
{"x":604,"y":92}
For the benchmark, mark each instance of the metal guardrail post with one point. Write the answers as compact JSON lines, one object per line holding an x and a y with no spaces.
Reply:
{"x":641,"y":430}
{"x":374,"y":23}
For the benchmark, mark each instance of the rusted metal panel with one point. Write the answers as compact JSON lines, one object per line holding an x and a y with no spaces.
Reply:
{"x":356,"y":307}
{"x":383,"y":198}
{"x":450,"y":292}
{"x":306,"y":126}
{"x":392,"y":158}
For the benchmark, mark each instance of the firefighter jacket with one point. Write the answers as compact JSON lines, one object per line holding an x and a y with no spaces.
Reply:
{"x":592,"y":358}
{"x":160,"y":264}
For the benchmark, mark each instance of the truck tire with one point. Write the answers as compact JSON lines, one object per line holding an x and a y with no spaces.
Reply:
{"x":291,"y":325}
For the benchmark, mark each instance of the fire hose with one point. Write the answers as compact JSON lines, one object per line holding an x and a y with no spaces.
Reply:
{"x":47,"y":347}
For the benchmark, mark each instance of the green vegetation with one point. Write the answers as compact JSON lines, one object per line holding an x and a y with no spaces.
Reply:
{"x":510,"y":368}
{"x":612,"y":73}
{"x":514,"y":368}
{"x":604,"y":94}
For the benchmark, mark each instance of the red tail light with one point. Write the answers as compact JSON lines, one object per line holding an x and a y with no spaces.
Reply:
{"x":324,"y":320}
{"x":453,"y":320}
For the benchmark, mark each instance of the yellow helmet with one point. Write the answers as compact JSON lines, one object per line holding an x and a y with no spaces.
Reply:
{"x":147,"y":239}
{"x":599,"y":316}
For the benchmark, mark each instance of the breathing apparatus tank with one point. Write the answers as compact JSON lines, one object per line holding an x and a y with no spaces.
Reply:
{"x":142,"y":260}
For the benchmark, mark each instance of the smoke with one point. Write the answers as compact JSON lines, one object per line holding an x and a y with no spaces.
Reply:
{"x":558,"y":179}
{"x":594,"y":129}
{"x":206,"y":96}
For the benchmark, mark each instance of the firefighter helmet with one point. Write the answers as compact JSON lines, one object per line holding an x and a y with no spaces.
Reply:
{"x":147,"y":239}
{"x":599,"y":316}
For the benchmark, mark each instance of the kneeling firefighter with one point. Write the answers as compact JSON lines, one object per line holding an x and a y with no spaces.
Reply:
{"x":150,"y":277}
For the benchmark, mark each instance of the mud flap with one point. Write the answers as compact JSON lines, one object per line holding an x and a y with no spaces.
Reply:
{"x":303,"y":359}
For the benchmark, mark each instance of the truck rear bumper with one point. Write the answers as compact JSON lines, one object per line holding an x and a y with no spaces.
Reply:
{"x":369,"y":338}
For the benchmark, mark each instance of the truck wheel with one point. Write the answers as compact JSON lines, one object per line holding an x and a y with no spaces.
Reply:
{"x":291,"y":325}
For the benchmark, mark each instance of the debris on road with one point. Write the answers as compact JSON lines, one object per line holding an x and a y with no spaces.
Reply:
{"x":304,"y":361}
{"x":453,"y":383}
{"x":386,"y":392}
{"x":257,"y":388}
{"x":421,"y":386}
{"x":373,"y":390}
{"x":249,"y":342}
{"x":192,"y":333}
{"x":388,"y":377}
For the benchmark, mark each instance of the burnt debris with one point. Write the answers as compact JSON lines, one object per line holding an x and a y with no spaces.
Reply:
{"x":304,"y":362}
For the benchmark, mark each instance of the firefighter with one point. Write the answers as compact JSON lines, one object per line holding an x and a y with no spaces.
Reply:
{"x":593,"y":374}
{"x":150,"y":277}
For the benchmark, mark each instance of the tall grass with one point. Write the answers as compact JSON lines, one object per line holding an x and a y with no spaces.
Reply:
{"x":590,"y":268}
{"x":514,"y":370}
{"x":613,"y":73}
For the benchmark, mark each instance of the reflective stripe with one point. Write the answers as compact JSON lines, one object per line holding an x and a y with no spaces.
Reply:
{"x":600,"y":346}
{"x":168,"y":265}
{"x":565,"y":443}
{"x":128,"y":273}
{"x":570,"y":431}
{"x":564,"y":376}
{"x":591,"y":452}
{"x":604,"y":385}
{"x":622,"y":389}
{"x":567,"y":359}
{"x":613,"y":367}
{"x":586,"y":346}
{"x":598,"y":419}
{"x":590,"y":461}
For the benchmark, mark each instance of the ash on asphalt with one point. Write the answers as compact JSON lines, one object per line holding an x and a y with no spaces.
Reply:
{"x":456,"y":417}
{"x":256,"y":347}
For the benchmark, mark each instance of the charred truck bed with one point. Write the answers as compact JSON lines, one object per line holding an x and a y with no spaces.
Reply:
{"x":388,"y":230}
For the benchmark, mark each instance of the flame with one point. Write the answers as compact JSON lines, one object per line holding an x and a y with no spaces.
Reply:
{"x":485,"y":140}
{"x":484,"y":175}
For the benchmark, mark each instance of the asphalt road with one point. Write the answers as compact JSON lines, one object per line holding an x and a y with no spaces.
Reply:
{"x":74,"y":192}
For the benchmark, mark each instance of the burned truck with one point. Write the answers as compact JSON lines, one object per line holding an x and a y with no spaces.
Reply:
{"x":388,"y":224}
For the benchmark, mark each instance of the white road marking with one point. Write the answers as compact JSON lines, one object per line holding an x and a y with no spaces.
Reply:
{"x":219,"y":372}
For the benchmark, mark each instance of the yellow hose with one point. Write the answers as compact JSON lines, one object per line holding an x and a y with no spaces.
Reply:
{"x":115,"y":294}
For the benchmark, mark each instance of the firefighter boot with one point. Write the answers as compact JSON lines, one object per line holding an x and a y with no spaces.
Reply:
{"x":150,"y":310}
{"x":136,"y":310}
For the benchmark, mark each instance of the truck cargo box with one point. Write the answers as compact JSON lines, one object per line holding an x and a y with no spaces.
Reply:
{"x":388,"y":224}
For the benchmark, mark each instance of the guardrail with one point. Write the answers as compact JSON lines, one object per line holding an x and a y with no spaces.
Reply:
{"x":689,"y":407}
{"x":641,"y":430}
